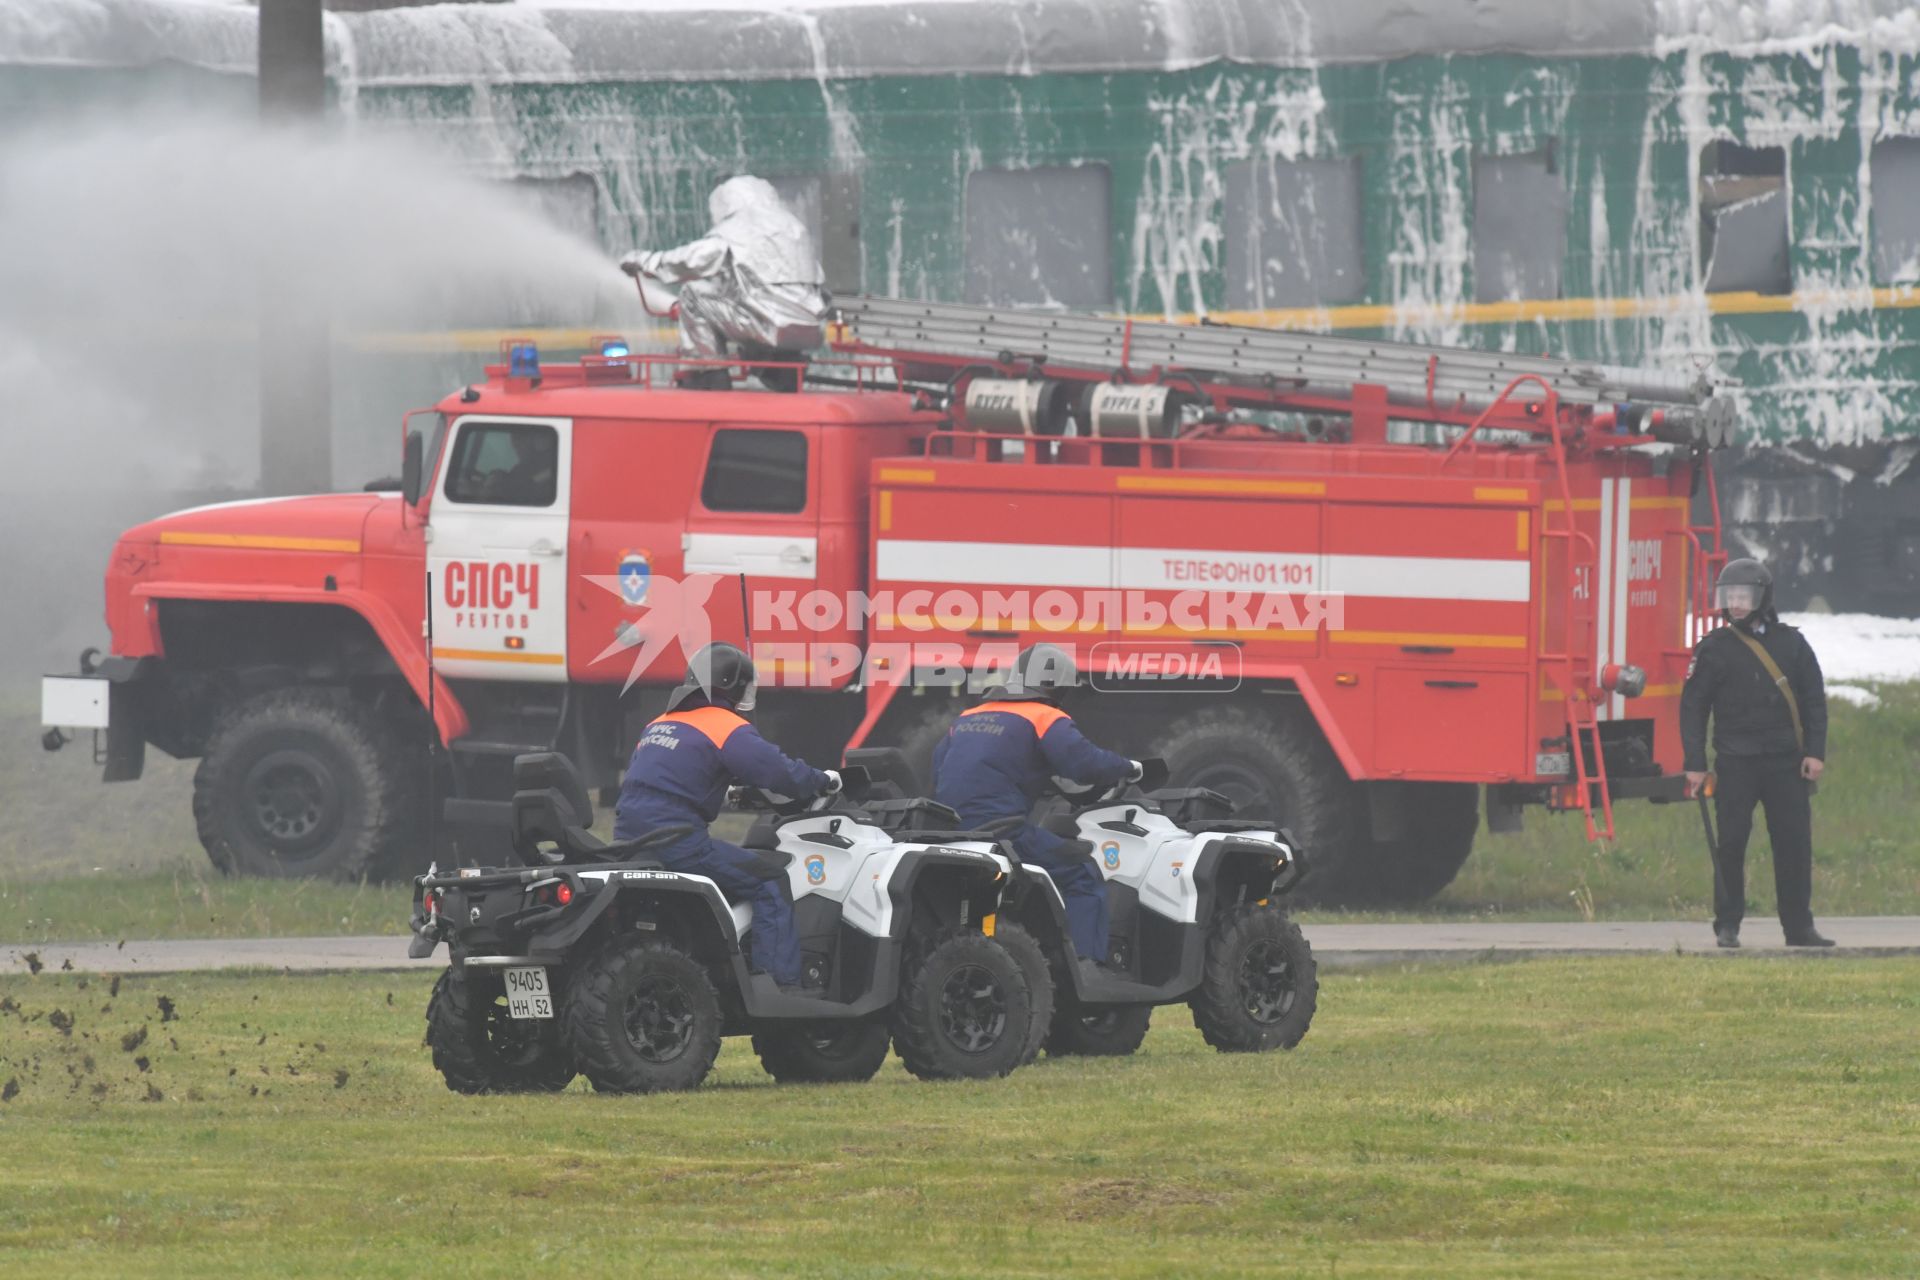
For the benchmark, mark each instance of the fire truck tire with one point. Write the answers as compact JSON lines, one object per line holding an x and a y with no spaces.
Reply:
{"x":302,"y":782}
{"x":479,"y":1049}
{"x":1273,"y":765}
{"x":1415,"y":867}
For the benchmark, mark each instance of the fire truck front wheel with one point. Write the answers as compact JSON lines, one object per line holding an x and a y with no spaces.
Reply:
{"x":302,"y":782}
{"x":1272,"y":763}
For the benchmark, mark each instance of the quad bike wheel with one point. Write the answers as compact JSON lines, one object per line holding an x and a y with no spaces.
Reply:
{"x":479,"y":1049}
{"x":965,"y":1010}
{"x":1098,"y":1031}
{"x":1260,"y":984}
{"x":1027,"y":952}
{"x":828,"y":1052}
{"x":642,"y":1017}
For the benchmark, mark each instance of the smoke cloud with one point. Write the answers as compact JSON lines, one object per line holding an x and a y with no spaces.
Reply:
{"x":131,"y":261}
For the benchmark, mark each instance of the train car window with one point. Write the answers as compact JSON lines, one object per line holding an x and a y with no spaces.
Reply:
{"x":1293,"y":233}
{"x":829,"y":205}
{"x":1895,"y":178}
{"x":756,"y":471}
{"x":1040,"y":237}
{"x":1743,"y":219}
{"x":504,"y":464}
{"x":1519,"y":226}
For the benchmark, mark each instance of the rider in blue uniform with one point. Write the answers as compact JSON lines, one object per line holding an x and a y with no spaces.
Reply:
{"x":997,"y":760}
{"x":679,"y":777}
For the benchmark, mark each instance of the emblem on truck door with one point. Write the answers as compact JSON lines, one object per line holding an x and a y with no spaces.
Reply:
{"x":636,"y":575}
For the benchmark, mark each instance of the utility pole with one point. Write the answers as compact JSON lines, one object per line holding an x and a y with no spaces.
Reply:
{"x":296,"y":348}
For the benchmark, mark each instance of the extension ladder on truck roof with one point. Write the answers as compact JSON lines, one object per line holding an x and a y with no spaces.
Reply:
{"x":1571,"y":406}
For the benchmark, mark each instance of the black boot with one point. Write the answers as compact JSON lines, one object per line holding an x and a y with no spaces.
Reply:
{"x":1727,"y":936}
{"x":1807,"y":937}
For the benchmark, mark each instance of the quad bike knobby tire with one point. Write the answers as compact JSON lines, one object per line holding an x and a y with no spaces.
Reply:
{"x":1260,"y":984}
{"x":1098,"y":1031}
{"x":1027,"y":953}
{"x":965,"y":1010}
{"x":641,"y":1016}
{"x":826,"y":1052}
{"x":479,"y":1049}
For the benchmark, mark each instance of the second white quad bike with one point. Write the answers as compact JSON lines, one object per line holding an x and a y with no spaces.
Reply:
{"x":594,"y":959}
{"x":1195,"y":899}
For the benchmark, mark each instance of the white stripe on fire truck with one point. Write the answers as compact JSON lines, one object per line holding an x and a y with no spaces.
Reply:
{"x":1181,"y":569}
{"x":1622,"y":580}
{"x":759,"y":555}
{"x":1602,"y":600}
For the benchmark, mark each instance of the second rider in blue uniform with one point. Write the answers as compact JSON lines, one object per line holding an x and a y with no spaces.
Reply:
{"x":679,"y":776}
{"x":998,"y":759}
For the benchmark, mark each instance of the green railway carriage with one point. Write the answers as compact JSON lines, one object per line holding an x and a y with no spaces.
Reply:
{"x":1635,"y":181}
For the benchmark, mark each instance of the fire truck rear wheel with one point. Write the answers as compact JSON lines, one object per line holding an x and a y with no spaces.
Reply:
{"x":302,"y":782}
{"x":1415,"y":867}
{"x":1272,"y":764}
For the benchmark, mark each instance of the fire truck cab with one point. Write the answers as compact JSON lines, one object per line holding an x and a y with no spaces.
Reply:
{"x":1350,"y":607}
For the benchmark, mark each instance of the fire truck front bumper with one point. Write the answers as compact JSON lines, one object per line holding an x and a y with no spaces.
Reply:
{"x":100,"y":698}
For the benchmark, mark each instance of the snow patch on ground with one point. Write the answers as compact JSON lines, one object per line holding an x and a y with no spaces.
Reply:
{"x":1854,"y":695}
{"x":1858,"y":647}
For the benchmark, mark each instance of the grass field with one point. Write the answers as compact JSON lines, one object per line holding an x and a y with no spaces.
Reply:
{"x":79,"y":860}
{"x":1659,"y":1116}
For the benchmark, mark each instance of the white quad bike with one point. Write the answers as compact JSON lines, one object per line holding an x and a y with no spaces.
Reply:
{"x":1195,"y":902}
{"x":595,"y":959}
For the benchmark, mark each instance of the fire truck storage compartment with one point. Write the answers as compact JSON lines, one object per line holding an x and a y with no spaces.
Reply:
{"x":1450,"y":723}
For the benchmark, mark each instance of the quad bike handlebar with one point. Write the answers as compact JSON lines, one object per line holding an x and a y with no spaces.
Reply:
{"x":1153,"y":775}
{"x":855,"y":784}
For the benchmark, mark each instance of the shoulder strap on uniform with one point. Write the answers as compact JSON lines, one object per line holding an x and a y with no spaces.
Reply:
{"x":717,"y":723}
{"x":1042,"y":716}
{"x":1786,"y":687}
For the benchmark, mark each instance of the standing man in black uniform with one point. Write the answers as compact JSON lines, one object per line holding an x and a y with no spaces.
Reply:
{"x":1758,"y":679}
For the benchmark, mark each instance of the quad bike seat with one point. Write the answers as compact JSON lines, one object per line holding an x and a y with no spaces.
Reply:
{"x":552,"y":814}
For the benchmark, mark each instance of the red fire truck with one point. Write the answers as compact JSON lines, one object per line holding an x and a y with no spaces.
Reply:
{"x":1353,"y":585}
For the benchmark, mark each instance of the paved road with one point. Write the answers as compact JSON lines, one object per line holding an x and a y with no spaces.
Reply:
{"x":1337,"y":945}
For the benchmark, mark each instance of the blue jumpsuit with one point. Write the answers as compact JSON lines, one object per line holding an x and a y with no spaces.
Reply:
{"x":995,"y":762}
{"x":679,"y":775}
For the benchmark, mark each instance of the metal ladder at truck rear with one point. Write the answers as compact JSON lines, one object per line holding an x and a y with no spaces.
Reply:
{"x":1570,"y":405}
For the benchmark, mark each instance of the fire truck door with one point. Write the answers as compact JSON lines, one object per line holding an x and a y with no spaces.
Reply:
{"x":758,"y":514}
{"x":497,"y":550}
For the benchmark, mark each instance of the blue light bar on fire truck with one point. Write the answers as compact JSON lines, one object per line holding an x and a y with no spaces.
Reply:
{"x":523,"y":360}
{"x":615,"y":348}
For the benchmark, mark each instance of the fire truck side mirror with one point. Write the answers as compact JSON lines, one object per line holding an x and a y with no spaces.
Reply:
{"x":412,"y":461}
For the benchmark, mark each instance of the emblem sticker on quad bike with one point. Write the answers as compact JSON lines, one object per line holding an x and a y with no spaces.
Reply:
{"x":1110,"y":854}
{"x":816,"y":869}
